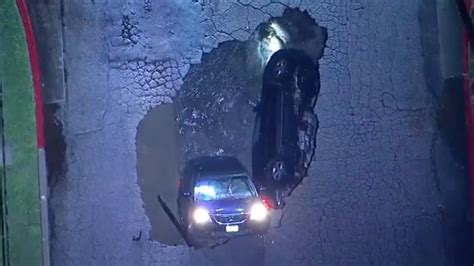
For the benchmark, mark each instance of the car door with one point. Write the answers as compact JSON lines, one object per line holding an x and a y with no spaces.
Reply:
{"x":287,"y":126}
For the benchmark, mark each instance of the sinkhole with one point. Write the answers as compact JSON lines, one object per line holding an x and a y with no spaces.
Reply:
{"x":213,"y":112}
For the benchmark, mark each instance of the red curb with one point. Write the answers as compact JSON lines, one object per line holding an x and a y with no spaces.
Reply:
{"x":42,"y":171}
{"x":468,"y":112}
{"x":35,"y":70}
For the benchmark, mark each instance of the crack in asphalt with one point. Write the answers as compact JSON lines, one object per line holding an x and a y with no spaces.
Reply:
{"x":92,"y":130}
{"x":220,"y":243}
{"x":254,"y":7}
{"x":175,"y":221}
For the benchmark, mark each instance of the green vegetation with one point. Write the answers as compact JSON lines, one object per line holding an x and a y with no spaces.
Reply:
{"x":23,"y":220}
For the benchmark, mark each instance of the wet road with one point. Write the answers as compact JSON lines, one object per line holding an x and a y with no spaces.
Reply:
{"x":376,"y":190}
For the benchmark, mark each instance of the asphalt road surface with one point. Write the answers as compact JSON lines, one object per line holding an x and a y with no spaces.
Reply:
{"x":387,"y":184}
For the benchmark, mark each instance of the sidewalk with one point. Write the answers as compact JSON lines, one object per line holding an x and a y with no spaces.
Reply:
{"x":22,"y":234}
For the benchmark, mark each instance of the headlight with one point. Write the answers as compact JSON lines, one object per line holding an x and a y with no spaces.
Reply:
{"x":201,"y":216}
{"x":274,"y":44}
{"x":272,"y":37}
{"x":258,"y":212}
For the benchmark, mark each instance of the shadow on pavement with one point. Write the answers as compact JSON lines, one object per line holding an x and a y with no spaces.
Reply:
{"x":174,"y":220}
{"x":158,"y":172}
{"x":442,"y":62}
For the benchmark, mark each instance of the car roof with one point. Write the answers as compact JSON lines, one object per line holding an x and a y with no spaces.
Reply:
{"x":209,"y":166}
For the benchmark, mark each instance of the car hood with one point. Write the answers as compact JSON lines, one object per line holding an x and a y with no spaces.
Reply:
{"x":227,"y":206}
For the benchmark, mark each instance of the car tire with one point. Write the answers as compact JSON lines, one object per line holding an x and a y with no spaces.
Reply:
{"x":276,"y":170}
{"x":279,"y":201}
{"x":280,"y":69}
{"x":275,"y":198}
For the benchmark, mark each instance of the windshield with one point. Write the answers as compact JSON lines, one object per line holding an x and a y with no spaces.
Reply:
{"x":223,"y":188}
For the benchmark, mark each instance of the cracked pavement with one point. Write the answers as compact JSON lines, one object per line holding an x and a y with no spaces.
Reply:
{"x":371,"y":196}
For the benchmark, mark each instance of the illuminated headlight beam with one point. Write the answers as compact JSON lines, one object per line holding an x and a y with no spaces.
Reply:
{"x":274,"y":44}
{"x":201,"y":216}
{"x":258,"y":212}
{"x":279,"y":32}
{"x":275,"y":38}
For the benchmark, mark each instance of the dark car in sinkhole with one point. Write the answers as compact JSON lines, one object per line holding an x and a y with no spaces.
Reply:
{"x":217,"y":198}
{"x":285,"y":128}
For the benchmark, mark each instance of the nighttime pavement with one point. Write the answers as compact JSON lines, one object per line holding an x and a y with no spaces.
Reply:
{"x":387,"y":182}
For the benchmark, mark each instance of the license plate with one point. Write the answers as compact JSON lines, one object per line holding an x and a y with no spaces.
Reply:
{"x":232,"y":228}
